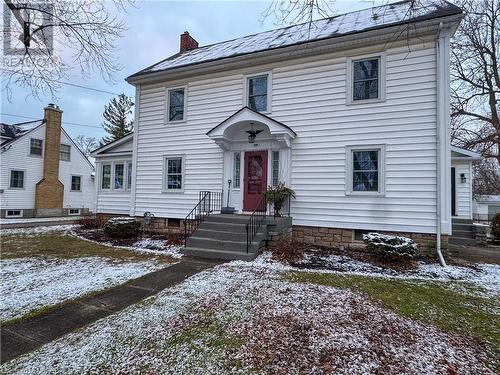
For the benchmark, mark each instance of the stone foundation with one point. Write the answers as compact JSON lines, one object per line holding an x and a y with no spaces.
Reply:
{"x":337,"y":237}
{"x":278,"y":230}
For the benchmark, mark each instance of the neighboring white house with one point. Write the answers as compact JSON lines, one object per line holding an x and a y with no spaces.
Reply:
{"x":461,"y":182}
{"x":485,"y":207}
{"x":352,"y":112}
{"x":28,"y":157}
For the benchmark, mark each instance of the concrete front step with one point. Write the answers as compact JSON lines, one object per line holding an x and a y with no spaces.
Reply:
{"x":462,"y":241}
{"x":462,"y":234}
{"x":227,"y":245}
{"x":461,"y":221}
{"x":462,"y":226}
{"x":219,"y":254}
{"x":223,"y":227}
{"x":221,"y":235}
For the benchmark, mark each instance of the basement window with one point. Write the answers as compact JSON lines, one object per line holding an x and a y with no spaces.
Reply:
{"x":14,"y":213}
{"x":358,"y":234}
{"x":74,"y":211}
{"x":174,"y":223}
{"x":65,"y":152}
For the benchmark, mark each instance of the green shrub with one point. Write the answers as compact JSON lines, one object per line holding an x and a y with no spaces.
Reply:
{"x":390,"y":247}
{"x":495,"y":228}
{"x":122,"y":227}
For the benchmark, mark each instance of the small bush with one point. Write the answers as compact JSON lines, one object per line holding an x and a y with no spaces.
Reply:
{"x":122,"y":227}
{"x":288,"y":250}
{"x":175,"y":239}
{"x":390,"y":247}
{"x":495,"y":228}
{"x":89,"y":221}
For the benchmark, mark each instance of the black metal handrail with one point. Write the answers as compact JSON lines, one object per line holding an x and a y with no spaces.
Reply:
{"x":255,"y":220}
{"x":209,"y":202}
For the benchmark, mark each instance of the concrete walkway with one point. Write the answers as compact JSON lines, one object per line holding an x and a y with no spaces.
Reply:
{"x":478,"y":254}
{"x":30,"y":334}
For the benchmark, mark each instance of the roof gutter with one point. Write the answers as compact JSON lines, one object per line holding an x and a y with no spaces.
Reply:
{"x":388,"y":34}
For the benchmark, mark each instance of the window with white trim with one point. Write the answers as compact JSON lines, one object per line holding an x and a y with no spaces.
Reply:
{"x":76,"y":183}
{"x":36,"y":147}
{"x":176,"y":104}
{"x":174,"y":174}
{"x":74,"y":211}
{"x":14,"y":213}
{"x":275,"y":168}
{"x":365,"y":170}
{"x":119,"y":176}
{"x":237,"y":170}
{"x":366,"y":79}
{"x":129,"y":175}
{"x":65,"y":152}
{"x":258,"y":93}
{"x":106,"y":176}
{"x":16,"y":179}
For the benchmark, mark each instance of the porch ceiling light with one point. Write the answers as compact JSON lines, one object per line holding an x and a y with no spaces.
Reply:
{"x":252,"y":134}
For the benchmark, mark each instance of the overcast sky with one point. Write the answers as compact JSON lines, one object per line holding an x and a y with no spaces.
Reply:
{"x":153,"y":34}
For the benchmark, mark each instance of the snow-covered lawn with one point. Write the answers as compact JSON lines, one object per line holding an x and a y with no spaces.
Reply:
{"x":241,"y":318}
{"x":41,"y":267}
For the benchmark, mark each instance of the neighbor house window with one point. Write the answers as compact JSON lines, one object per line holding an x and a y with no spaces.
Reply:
{"x":76,"y":183}
{"x":106,"y":176}
{"x":365,"y":170}
{"x":275,"y":168}
{"x":65,"y":153}
{"x":119,"y":174}
{"x":36,"y":147}
{"x":237,"y":170}
{"x":176,"y":104}
{"x":14,"y":213}
{"x":16,"y":179}
{"x":366,"y":79}
{"x":173,"y":173}
{"x":129,"y":175}
{"x":258,"y":93}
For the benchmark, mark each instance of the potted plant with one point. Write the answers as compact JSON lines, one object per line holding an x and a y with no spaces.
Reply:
{"x":277,"y":195}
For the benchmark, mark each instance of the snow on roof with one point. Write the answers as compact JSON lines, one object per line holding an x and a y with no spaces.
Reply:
{"x":14,"y":131}
{"x":373,"y":18}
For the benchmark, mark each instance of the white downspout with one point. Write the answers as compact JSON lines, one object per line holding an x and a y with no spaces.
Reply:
{"x":440,"y":124}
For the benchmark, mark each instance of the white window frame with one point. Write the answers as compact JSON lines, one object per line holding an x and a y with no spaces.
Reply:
{"x":101,"y":175}
{"x":246,"y":78}
{"x":71,"y":183}
{"x":21,"y":212}
{"x":35,"y":155}
{"x":113,"y":175}
{"x":127,"y":163}
{"x":24,"y":179}
{"x":165,"y":188}
{"x":350,"y":78}
{"x":167,"y":101}
{"x":234,"y":172}
{"x":74,"y":214}
{"x":272,"y":167}
{"x":65,"y":144}
{"x":381,"y":169}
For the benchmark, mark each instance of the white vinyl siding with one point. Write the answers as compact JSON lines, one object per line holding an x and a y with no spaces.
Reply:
{"x":309,"y":97}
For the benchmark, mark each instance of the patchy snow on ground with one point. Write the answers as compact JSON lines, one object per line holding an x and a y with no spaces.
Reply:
{"x":157,"y":246}
{"x":32,"y":283}
{"x":38,"y":219}
{"x":33,"y":231}
{"x":485,"y":276}
{"x":239,"y":318}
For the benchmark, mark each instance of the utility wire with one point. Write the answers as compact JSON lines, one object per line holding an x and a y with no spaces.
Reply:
{"x":64,"y":83}
{"x":64,"y":122}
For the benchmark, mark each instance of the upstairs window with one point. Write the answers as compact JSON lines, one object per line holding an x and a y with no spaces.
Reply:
{"x":173,"y":173}
{"x":366,"y":79}
{"x":237,"y":170}
{"x":106,"y":177}
{"x":65,"y":152}
{"x":258,"y":93}
{"x":16,"y":179}
{"x":119,"y":176}
{"x":176,"y":104}
{"x":36,"y":147}
{"x":76,"y":183}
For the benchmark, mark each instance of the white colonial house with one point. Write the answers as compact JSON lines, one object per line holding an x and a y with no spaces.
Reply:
{"x":43,"y":172}
{"x":351,"y":112}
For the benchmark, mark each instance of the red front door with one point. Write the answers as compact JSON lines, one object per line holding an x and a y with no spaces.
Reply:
{"x":255,"y":181}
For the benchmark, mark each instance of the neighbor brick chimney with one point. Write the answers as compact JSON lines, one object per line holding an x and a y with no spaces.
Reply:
{"x":49,"y":190}
{"x":187,"y":42}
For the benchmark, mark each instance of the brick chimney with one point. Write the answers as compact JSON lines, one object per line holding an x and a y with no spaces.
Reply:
{"x":49,"y":190}
{"x":187,"y":42}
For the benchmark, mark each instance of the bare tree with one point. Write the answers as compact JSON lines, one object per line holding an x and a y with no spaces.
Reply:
{"x":86,"y":144}
{"x":486,"y":178}
{"x":44,"y":40}
{"x":475,"y":72}
{"x":292,"y":12}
